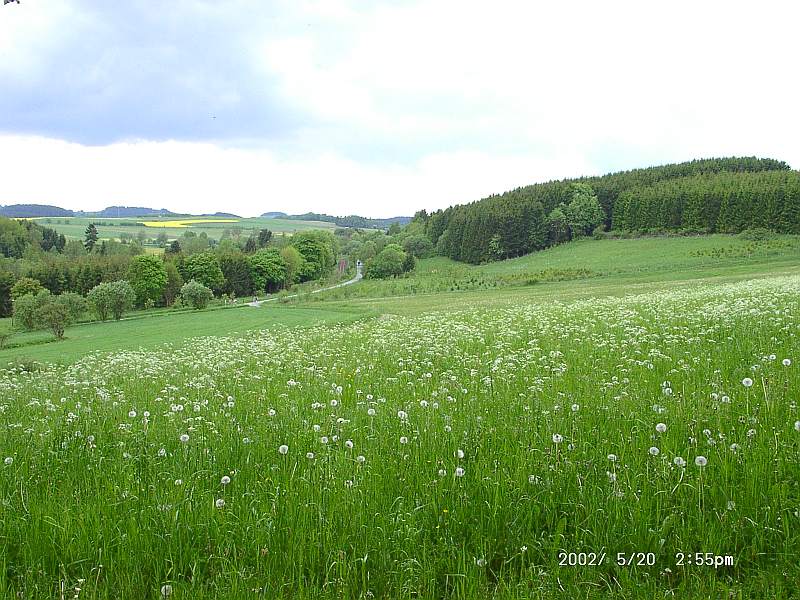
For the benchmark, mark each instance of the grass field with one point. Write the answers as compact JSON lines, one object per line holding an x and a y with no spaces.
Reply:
{"x":460,"y":455}
{"x":112,"y":228}
{"x":631,"y":404}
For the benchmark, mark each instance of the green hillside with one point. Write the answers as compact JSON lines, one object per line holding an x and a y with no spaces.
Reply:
{"x":704,"y":196}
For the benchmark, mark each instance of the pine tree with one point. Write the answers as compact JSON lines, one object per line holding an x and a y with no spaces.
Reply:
{"x":91,"y":237}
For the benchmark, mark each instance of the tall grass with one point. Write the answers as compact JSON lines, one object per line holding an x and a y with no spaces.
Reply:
{"x":427,"y":457}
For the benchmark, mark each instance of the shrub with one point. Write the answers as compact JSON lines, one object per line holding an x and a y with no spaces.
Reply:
{"x":26,"y":307}
{"x":55,"y":316}
{"x":112,"y":298}
{"x":25,"y":286}
{"x":195,"y":294}
{"x":755,"y":234}
{"x":75,"y":304}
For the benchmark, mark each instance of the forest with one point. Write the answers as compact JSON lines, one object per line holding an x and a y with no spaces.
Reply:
{"x":701,"y":196}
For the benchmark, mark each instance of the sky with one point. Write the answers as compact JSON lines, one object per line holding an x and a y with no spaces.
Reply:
{"x":377,"y":108}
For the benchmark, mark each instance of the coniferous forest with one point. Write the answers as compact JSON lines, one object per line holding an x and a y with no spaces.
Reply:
{"x":718,"y":195}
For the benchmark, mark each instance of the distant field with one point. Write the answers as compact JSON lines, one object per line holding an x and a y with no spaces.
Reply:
{"x":112,"y":228}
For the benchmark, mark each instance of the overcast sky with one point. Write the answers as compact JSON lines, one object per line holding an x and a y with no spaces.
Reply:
{"x":378,"y":108}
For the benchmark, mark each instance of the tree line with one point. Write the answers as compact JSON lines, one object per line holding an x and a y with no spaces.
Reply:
{"x":757,"y":192}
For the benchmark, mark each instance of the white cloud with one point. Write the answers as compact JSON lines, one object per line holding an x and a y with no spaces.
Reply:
{"x":194,"y":178}
{"x":410,"y":105}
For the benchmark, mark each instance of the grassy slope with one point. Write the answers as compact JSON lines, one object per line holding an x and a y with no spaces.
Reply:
{"x":74,"y":227}
{"x":618,"y":267}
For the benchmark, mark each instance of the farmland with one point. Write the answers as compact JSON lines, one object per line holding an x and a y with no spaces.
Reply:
{"x":113,"y":228}
{"x":443,"y":454}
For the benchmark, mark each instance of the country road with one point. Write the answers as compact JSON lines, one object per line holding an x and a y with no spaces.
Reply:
{"x":358,"y":277}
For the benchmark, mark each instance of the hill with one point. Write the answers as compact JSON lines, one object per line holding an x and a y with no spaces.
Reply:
{"x":127,"y":211}
{"x":703,"y":196}
{"x":351,"y":220}
{"x":23,"y":211}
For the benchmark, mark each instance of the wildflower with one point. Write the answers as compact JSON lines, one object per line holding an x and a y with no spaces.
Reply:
{"x":184,"y":437}
{"x":179,"y":482}
{"x":132,"y":414}
{"x":612,"y":457}
{"x":481,"y":562}
{"x":348,"y":483}
{"x":349,"y":444}
{"x":310,"y":455}
{"x":166,"y":590}
{"x":735,"y":447}
{"x":423,"y":403}
{"x":701,"y":461}
{"x":654,"y":451}
{"x":334,"y":403}
{"x":731,"y":505}
{"x":146,"y":414}
{"x":220,"y":503}
{"x":576,"y":407}
{"x":557,"y":438}
{"x":612,"y":477}
{"x":402,"y":415}
{"x":442,"y":472}
{"x":786,"y":362}
{"x":797,"y":425}
{"x":679,"y":462}
{"x":533,"y":479}
{"x":448,"y":429}
{"x":271,"y":412}
{"x":283,"y":449}
{"x":324,"y":439}
{"x":371,"y":412}
{"x":459,"y":472}
{"x":661,"y":427}
{"x":460,"y":453}
{"x":9,"y":460}
{"x":162,"y":452}
{"x":360,"y":459}
{"x":403,"y":439}
{"x":225,"y":480}
{"x":316,"y":428}
{"x":747,"y":382}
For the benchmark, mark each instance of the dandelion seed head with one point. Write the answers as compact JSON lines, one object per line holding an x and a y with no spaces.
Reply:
{"x":701,"y":461}
{"x":557,"y":438}
{"x":654,"y":451}
{"x":220,"y":503}
{"x":283,"y":449}
{"x":459,"y":472}
{"x":661,"y":427}
{"x":225,"y":480}
{"x":747,"y":382}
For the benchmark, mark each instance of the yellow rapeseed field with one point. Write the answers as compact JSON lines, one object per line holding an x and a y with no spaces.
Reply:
{"x":185,"y":222}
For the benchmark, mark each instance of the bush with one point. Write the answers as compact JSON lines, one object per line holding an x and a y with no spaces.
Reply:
{"x":26,"y":308}
{"x":54,"y":316}
{"x":75,"y":304}
{"x":755,"y":234}
{"x":195,"y":294}
{"x":112,"y":298}
{"x":25,"y":286}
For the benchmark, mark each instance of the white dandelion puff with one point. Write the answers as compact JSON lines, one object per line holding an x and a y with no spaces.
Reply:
{"x":9,"y":460}
{"x":679,"y":461}
{"x":403,"y":439}
{"x":701,"y":461}
{"x":184,"y":437}
{"x":654,"y":451}
{"x":612,"y":457}
{"x":459,"y":472}
{"x":747,"y":382}
{"x":283,"y":449}
{"x":220,"y":503}
{"x":166,"y":590}
{"x":225,"y":480}
{"x":786,"y":362}
{"x":661,"y":427}
{"x":557,"y":438}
